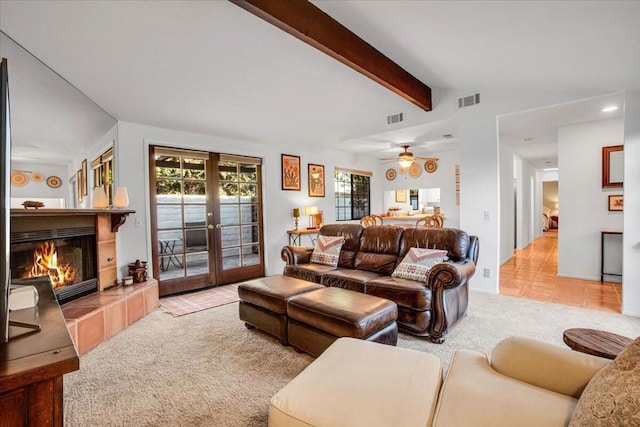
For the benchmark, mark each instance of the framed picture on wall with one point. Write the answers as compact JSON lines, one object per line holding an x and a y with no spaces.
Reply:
{"x":290,"y":172}
{"x":316,"y":180}
{"x":616,"y":203}
{"x":79,"y":185}
{"x":85,"y":191}
{"x":401,"y":196}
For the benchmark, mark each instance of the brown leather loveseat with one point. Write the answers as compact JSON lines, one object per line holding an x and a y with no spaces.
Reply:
{"x":370,"y":255}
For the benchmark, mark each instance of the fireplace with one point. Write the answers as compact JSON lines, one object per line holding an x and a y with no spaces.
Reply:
{"x":76,"y":248}
{"x":66,"y":254}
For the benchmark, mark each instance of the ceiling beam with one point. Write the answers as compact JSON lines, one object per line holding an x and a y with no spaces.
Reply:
{"x":306,"y":22}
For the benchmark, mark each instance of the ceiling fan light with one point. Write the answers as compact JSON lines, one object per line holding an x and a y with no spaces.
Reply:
{"x":405,"y":163}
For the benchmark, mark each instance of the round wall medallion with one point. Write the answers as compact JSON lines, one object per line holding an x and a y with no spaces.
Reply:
{"x":37,"y":177}
{"x":19,"y":179}
{"x":430,"y":166}
{"x":414,"y":171}
{"x":54,"y":182}
{"x":402,"y":170}
{"x":390,"y":174}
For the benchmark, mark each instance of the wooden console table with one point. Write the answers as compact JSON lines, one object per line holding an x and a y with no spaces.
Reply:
{"x":295,"y":236}
{"x":32,"y":366}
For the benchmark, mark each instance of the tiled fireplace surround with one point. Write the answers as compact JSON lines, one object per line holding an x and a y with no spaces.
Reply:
{"x":95,"y":318}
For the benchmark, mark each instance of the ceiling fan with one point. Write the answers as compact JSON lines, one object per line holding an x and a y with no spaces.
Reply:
{"x":406,"y":158}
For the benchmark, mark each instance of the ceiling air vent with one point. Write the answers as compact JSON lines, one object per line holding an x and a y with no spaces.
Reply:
{"x":468,"y":101}
{"x":394,"y":118}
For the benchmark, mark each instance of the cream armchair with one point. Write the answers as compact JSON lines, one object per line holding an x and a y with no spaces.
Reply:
{"x":357,"y":383}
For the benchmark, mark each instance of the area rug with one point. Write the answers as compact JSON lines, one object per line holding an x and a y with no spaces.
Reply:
{"x":180,"y":305}
{"x":207,"y":369}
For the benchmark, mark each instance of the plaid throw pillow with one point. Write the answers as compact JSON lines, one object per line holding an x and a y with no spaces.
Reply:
{"x":327,"y":250}
{"x":417,"y":263}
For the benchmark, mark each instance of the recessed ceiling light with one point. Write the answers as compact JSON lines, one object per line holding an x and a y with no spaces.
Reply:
{"x":528,"y":139}
{"x":609,"y":109}
{"x":447,"y":135}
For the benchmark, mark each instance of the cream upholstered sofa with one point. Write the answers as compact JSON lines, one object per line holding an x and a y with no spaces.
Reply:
{"x":356,"y":383}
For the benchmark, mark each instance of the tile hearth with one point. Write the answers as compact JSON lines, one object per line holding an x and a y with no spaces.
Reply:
{"x":95,"y":318}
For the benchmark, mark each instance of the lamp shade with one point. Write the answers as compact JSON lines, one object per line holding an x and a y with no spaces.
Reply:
{"x":100,"y":200}
{"x":121,"y":198}
{"x":296,"y":212}
{"x":557,"y":205}
{"x":310,"y":210}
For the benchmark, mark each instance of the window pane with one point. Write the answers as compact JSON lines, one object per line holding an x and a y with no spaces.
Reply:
{"x":193,"y":168}
{"x":249,"y":213}
{"x":196,"y":240}
{"x":168,"y":167}
{"x":250,"y":234}
{"x":169,"y":191}
{"x":248,"y":173}
{"x":230,"y":236}
{"x":197,"y":189}
{"x":250,"y":255}
{"x":249,"y":193}
{"x":228,"y":171}
{"x":169,"y":242}
{"x":229,"y":193}
{"x":169,"y":216}
{"x":230,"y":258}
{"x":195,"y":215}
{"x":197,"y":263}
{"x":352,"y":196}
{"x":229,"y":214}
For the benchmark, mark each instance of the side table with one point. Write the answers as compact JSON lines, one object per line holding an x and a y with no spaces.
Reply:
{"x":595,"y":342}
{"x":296,"y":235}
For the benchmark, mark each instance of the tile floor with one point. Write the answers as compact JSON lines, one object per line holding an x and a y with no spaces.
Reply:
{"x":533,"y":274}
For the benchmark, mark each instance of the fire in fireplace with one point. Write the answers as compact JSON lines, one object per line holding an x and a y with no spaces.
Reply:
{"x":69,"y":262}
{"x":45,"y":263}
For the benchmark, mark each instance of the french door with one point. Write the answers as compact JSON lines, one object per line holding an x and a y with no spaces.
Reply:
{"x":206,"y":219}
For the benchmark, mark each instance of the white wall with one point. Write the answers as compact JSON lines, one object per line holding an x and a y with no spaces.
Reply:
{"x":443,"y":178}
{"x":631,"y":238}
{"x":507,"y":203}
{"x":134,"y":236}
{"x":584,"y":210}
{"x":37,"y":190}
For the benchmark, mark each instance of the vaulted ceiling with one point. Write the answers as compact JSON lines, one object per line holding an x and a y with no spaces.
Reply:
{"x":214,"y":68}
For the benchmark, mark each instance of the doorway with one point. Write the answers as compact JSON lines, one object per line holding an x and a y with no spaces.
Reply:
{"x":206,"y":219}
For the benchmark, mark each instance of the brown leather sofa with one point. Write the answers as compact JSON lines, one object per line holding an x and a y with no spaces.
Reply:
{"x":369,"y":257}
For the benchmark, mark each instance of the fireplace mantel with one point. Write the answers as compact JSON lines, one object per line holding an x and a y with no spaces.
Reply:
{"x":118,"y":216}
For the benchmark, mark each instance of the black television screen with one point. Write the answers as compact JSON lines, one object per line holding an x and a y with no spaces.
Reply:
{"x":5,"y":189}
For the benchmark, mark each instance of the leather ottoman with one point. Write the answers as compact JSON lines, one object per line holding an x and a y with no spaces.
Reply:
{"x":318,"y":318}
{"x":263,"y":302}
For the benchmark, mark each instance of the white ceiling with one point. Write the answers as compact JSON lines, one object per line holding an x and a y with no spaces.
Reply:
{"x":214,"y":68}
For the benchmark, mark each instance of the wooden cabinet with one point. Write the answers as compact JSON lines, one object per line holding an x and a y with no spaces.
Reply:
{"x":32,"y":366}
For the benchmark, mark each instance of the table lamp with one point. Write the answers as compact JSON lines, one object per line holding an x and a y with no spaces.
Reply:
{"x":296,"y":215}
{"x":121,"y":199}
{"x":100,"y":200}
{"x":311,"y":211}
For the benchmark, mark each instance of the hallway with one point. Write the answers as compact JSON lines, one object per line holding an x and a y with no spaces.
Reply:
{"x":532,"y":274}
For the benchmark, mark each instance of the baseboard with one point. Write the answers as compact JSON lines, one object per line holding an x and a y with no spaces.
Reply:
{"x":574,"y":276}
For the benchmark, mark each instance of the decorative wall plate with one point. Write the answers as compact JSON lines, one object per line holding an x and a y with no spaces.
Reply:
{"x":54,"y":182}
{"x":402,"y":170}
{"x":430,"y":166}
{"x":414,"y":171}
{"x":19,"y":179}
{"x":390,"y":174}
{"x":37,"y":177}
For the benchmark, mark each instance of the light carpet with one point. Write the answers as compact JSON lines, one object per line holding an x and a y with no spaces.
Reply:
{"x":202,"y":300}
{"x":207,"y":369}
